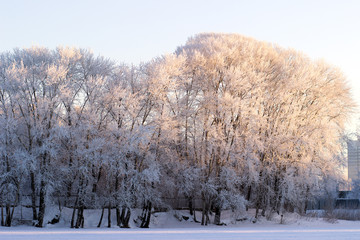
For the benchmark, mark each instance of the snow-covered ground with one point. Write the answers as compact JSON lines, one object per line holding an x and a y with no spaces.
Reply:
{"x":337,"y":231}
{"x":165,"y":225}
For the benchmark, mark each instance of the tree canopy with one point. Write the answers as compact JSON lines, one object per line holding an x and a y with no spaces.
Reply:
{"x":226,"y":119}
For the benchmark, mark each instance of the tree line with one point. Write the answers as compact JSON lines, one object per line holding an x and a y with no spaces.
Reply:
{"x":227,"y":119}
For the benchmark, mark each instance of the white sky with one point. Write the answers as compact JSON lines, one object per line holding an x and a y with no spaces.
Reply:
{"x":131,"y":31}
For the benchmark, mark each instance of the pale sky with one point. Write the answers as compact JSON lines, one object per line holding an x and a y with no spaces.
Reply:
{"x":138,"y":30}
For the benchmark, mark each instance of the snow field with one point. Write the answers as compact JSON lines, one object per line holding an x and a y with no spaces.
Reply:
{"x":257,"y":232}
{"x":164,"y":225}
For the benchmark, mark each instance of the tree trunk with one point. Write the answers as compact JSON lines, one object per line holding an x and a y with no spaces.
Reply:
{"x":147,"y":222}
{"x":257,"y":211}
{"x":41,"y":204}
{"x":74,"y":210}
{"x":101,"y":217}
{"x":109,"y":216}
{"x":306,"y":199}
{"x":33,"y":195}
{"x":191,"y":206}
{"x":125,"y":217}
{"x":2,"y":215}
{"x":205,"y":213}
{"x":68,"y":193}
{"x":80,"y":218}
{"x":248,"y":197}
{"x":203,"y":217}
{"x":207,"y":218}
{"x":217,"y":219}
{"x":73,"y":218}
{"x":42,"y":196}
{"x":12,"y":212}
{"x":118,"y":219}
{"x":146,"y":214}
{"x":258,"y":205}
{"x":8,"y":216}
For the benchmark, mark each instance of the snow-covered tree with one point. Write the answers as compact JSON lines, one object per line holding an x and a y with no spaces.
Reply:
{"x":271,"y":114}
{"x":227,"y":119}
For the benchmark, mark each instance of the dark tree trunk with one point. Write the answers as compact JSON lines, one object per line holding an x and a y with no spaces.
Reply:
{"x":191,"y":206}
{"x":147,"y":222}
{"x":205,"y":213}
{"x":74,"y":210}
{"x":217,"y":219}
{"x":69,"y":182}
{"x":80,"y":218}
{"x":145,"y":216}
{"x":41,"y":204}
{"x":306,"y":199}
{"x":73,"y":218}
{"x":101,"y":217}
{"x":2,"y":215}
{"x":118,"y":219}
{"x":68,"y":193}
{"x":42,"y":194}
{"x":12,"y":212}
{"x":8,"y":216}
{"x":80,"y":209}
{"x":125,"y":217}
{"x":258,"y":205}
{"x":117,"y":209}
{"x":192,"y":209}
{"x":248,"y":197}
{"x":33,"y":195}
{"x":109,"y":216}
